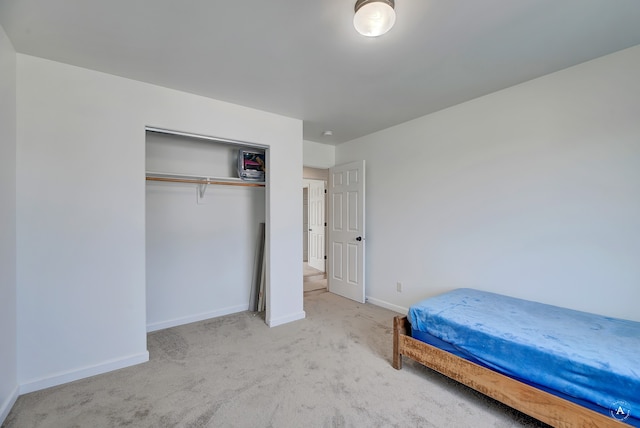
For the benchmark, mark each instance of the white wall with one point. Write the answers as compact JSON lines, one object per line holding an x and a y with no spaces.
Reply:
{"x":8,"y":339}
{"x":532,"y":192}
{"x":318,"y":155}
{"x":201,"y":252}
{"x":81,"y":212}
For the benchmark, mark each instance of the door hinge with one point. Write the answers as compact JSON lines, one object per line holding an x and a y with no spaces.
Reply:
{"x":325,"y":257}
{"x":325,"y":190}
{"x":325,"y":224}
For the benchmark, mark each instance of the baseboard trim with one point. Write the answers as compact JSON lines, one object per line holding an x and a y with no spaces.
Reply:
{"x":72,"y":375}
{"x":274,"y":322}
{"x":8,"y":404}
{"x":400,"y":309}
{"x":161,"y":325}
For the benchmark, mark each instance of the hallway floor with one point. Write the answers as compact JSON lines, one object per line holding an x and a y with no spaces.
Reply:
{"x":314,"y":279}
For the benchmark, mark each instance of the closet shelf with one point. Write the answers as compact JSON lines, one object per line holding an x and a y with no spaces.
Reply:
{"x":199,"y":179}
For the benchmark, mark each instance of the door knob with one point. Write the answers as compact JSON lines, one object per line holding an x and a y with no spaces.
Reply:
{"x":359,"y":238}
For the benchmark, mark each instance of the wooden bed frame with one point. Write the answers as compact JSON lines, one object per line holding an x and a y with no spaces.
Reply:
{"x":534,"y":402}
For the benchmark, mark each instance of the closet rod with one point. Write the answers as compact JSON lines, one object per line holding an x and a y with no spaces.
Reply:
{"x":205,"y":181}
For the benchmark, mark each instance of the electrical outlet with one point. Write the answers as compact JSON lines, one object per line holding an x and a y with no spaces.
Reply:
{"x":399,"y":287}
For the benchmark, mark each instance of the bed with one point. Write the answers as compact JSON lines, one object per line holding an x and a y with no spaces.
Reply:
{"x":563,"y":367}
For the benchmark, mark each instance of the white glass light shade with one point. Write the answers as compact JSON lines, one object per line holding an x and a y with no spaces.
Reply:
{"x":374,"y":18}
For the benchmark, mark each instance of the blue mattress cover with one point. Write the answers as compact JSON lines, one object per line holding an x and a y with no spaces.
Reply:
{"x":590,"y":359}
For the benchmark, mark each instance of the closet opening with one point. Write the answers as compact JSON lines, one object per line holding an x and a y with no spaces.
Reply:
{"x":204,"y":227}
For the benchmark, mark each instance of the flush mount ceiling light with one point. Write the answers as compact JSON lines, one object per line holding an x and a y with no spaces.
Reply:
{"x":374,"y":17}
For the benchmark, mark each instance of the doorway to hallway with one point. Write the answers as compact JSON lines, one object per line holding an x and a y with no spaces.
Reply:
{"x":314,"y":229}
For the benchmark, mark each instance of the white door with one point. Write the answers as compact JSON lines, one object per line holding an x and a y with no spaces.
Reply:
{"x":346,"y":230}
{"x":316,"y":225}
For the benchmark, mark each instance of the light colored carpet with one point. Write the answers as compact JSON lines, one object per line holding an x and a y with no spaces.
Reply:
{"x":331,"y":369}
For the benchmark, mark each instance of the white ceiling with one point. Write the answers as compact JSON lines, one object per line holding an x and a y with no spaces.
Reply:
{"x":303,"y":58}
